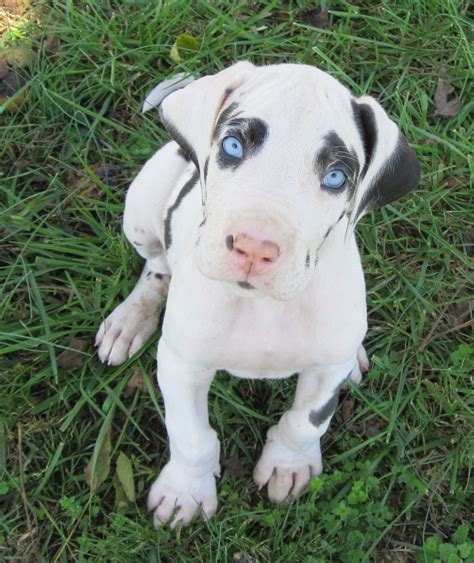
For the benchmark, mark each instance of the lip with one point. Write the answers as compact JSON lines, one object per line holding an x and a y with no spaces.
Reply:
{"x":245,"y":285}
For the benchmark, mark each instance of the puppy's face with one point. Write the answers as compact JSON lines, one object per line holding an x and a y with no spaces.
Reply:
{"x":286,"y":153}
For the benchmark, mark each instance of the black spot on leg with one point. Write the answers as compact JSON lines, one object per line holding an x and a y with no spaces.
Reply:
{"x":308,"y":259}
{"x":318,"y":416}
{"x":159,"y":276}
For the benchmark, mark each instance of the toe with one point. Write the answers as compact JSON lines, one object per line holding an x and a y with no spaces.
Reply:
{"x":280,"y":485}
{"x":209,"y":507}
{"x":185,"y":513}
{"x":155,"y":496}
{"x":136,"y":344}
{"x":164,"y":511}
{"x":107,"y":343}
{"x":100,"y":334}
{"x":262,"y":474}
{"x":300,"y":480}
{"x":119,"y":352}
{"x":363,"y":360}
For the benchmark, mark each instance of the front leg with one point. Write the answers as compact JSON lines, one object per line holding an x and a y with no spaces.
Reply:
{"x":129,"y":326}
{"x":187,"y":482}
{"x":292,"y":453}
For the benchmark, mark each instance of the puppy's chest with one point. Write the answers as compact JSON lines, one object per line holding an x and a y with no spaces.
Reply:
{"x":255,"y":339}
{"x":271,"y":345}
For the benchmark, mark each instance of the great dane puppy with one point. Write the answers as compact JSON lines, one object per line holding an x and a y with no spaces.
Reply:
{"x":249,"y":216}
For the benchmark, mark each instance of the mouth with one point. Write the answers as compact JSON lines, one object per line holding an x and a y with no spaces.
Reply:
{"x":245,"y":285}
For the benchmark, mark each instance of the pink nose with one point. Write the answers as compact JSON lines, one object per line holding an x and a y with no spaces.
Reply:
{"x":252,"y":255}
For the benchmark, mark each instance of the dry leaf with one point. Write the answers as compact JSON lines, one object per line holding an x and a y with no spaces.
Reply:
{"x":234,"y":466}
{"x":74,"y":356}
{"x":316,"y":17}
{"x":97,"y":474}
{"x":51,"y":44}
{"x":13,"y":77}
{"x":183,"y":46}
{"x":347,"y":408}
{"x":461,"y":312}
{"x":135,"y":382}
{"x":81,"y":181}
{"x":444,"y":106}
{"x":125,"y":476}
{"x":121,"y":501}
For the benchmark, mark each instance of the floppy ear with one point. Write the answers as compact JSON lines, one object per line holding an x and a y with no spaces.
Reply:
{"x":391,"y":167}
{"x":189,"y":115}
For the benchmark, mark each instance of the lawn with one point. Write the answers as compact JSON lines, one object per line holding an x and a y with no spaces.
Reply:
{"x":80,"y":442}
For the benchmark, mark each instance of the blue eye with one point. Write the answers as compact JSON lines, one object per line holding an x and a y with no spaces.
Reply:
{"x":232,"y":147}
{"x":334,"y":180}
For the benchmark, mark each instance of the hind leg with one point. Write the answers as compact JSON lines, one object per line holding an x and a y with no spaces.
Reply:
{"x":362,"y":365}
{"x":126,"y":329}
{"x":130,"y":325}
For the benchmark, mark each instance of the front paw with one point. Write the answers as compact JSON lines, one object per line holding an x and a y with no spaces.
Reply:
{"x":286,"y":471}
{"x":178,"y":495}
{"x":125,"y":331}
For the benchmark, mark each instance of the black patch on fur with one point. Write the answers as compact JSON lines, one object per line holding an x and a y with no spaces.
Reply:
{"x":308,"y":258}
{"x":232,"y":110}
{"x":250,"y":131}
{"x":159,"y":276}
{"x":365,"y":122}
{"x":399,"y":174}
{"x":229,"y":242}
{"x":245,"y":285}
{"x":182,"y":142}
{"x":335,"y":155}
{"x":148,"y":275}
{"x":319,"y":416}
{"x":332,"y":226}
{"x":182,"y":154}
{"x":169,"y":214}
{"x":206,"y":168}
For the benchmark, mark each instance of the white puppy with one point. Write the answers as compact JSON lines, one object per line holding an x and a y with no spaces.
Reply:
{"x":249,"y":216}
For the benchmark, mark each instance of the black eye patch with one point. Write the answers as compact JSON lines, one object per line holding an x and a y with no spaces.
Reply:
{"x":335,"y":155}
{"x":250,"y":131}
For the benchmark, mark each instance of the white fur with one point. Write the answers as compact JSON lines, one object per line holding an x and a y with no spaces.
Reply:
{"x":309,"y":319}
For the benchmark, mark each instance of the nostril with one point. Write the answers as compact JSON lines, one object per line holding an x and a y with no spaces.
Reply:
{"x":229,"y":242}
{"x":267,"y":259}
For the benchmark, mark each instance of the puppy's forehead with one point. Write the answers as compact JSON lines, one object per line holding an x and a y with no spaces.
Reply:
{"x":302,"y":106}
{"x":300,"y":89}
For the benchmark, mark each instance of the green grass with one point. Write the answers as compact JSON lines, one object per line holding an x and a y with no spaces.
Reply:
{"x":398,"y":483}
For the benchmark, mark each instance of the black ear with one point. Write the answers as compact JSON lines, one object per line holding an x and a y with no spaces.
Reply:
{"x":391,"y":167}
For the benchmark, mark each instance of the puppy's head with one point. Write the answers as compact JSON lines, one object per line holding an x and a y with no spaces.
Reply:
{"x":287,"y":158}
